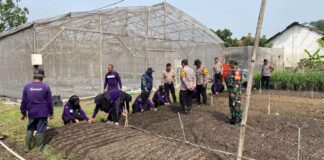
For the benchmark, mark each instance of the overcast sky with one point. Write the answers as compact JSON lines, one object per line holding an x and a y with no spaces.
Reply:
{"x":240,"y":16}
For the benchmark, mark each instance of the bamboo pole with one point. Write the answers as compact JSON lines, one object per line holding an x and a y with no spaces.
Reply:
{"x":249,"y":86}
{"x":269,"y":104}
{"x":184,"y":136}
{"x":126,"y":116}
{"x":11,"y":151}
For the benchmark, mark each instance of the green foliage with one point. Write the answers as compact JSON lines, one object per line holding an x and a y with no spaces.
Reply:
{"x":320,"y":41}
{"x":318,"y":24}
{"x":226,"y":36}
{"x":314,"y":61}
{"x":292,"y":80}
{"x":11,"y":15}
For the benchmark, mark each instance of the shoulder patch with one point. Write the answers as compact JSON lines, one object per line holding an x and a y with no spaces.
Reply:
{"x":205,"y":70}
{"x":182,"y":73}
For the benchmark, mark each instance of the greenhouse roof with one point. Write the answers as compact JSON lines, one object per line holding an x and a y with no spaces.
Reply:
{"x":160,"y":21}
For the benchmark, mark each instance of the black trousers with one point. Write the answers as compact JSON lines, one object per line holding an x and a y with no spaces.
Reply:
{"x":115,"y":115}
{"x":265,"y":82}
{"x":201,"y":91}
{"x":169,"y":87}
{"x":186,"y":99}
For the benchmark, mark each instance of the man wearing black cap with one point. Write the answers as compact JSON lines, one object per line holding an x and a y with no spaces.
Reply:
{"x":233,"y":82}
{"x":202,"y":77}
{"x":147,"y":81}
{"x":36,"y":104}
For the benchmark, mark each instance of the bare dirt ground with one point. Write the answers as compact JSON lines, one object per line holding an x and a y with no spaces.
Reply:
{"x":271,"y":136}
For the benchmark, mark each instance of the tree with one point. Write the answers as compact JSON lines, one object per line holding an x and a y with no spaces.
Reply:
{"x":11,"y":15}
{"x":226,"y":36}
{"x":318,"y":24}
{"x":320,"y":41}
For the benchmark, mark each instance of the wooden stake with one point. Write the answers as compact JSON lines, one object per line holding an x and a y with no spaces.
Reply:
{"x":298,"y":140}
{"x":249,"y":86}
{"x":184,"y":136}
{"x":126,"y":116}
{"x":269,"y":104}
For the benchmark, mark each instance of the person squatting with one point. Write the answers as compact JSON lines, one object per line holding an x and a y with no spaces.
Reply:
{"x":36,"y":101}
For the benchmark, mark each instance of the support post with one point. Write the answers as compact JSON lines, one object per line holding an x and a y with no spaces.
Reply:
{"x":249,"y":86}
{"x":100,"y":51}
{"x":164,"y":21}
{"x":184,"y":136}
{"x":269,"y":104}
{"x":146,"y":34}
{"x":298,"y":141}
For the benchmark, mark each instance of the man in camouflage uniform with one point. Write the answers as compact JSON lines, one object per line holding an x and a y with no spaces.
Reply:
{"x":233,"y":82}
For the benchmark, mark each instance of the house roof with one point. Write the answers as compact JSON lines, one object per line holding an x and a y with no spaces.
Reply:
{"x":296,"y":24}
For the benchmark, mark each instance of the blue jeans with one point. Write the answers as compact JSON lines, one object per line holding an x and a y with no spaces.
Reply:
{"x":37,"y":124}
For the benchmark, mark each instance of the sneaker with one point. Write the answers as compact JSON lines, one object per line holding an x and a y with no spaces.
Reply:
{"x":116,"y":123}
{"x":110,"y":122}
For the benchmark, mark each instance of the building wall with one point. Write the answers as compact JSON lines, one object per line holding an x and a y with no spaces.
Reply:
{"x":294,"y":41}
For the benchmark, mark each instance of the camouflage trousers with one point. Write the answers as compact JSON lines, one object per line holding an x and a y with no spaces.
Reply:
{"x":235,"y":105}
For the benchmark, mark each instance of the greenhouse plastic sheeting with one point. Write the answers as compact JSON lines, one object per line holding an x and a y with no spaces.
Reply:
{"x":77,"y":47}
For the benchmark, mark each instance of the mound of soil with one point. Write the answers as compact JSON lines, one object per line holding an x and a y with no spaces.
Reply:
{"x":271,"y":136}
{"x":103,"y":141}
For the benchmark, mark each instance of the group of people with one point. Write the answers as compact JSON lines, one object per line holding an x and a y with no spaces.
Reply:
{"x":37,"y":98}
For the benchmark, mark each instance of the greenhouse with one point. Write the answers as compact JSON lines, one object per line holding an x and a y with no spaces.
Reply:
{"x":76,"y":48}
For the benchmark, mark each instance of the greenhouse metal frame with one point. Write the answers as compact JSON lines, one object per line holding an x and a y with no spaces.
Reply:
{"x":76,"y":48}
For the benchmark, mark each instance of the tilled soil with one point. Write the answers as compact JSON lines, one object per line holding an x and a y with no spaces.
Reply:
{"x":103,"y":141}
{"x":271,"y":136}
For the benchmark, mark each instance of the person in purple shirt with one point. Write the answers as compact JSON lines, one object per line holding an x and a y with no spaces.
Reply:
{"x":161,"y":97}
{"x":143,"y":103}
{"x":36,"y":104}
{"x":111,"y":103}
{"x":112,"y":79}
{"x":73,"y":112}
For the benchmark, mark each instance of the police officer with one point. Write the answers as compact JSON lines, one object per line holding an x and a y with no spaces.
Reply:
{"x":147,"y":81}
{"x":112,"y":79}
{"x":37,"y":104}
{"x":187,"y":85}
{"x":73,"y":112}
{"x":168,"y":80}
{"x":202,"y":77}
{"x":233,"y":82}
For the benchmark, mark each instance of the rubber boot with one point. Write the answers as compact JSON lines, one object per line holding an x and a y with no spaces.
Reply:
{"x":29,"y":139}
{"x":238,"y":121}
{"x":232,"y":120}
{"x":40,"y":141}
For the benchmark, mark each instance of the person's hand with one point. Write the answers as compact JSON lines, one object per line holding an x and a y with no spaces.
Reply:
{"x":51,"y":116}
{"x":155,"y":109}
{"x":142,"y":110}
{"x":90,"y":120}
{"x":167,"y":104}
{"x":77,"y":121}
{"x":23,"y":117}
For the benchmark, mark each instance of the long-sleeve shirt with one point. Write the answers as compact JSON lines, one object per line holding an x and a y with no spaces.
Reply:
{"x":146,"y":82}
{"x":69,"y":112}
{"x":112,"y":80}
{"x":36,"y":100}
{"x":168,"y":77}
{"x":114,"y":96}
{"x":188,"y":78}
{"x":140,"y":102}
{"x":161,"y":97}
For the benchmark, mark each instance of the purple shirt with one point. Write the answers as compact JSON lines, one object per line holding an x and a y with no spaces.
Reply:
{"x":36,"y":100}
{"x":68,"y":112}
{"x":139,"y":101}
{"x":112,"y":80}
{"x":161,"y":97}
{"x":114,"y":95}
